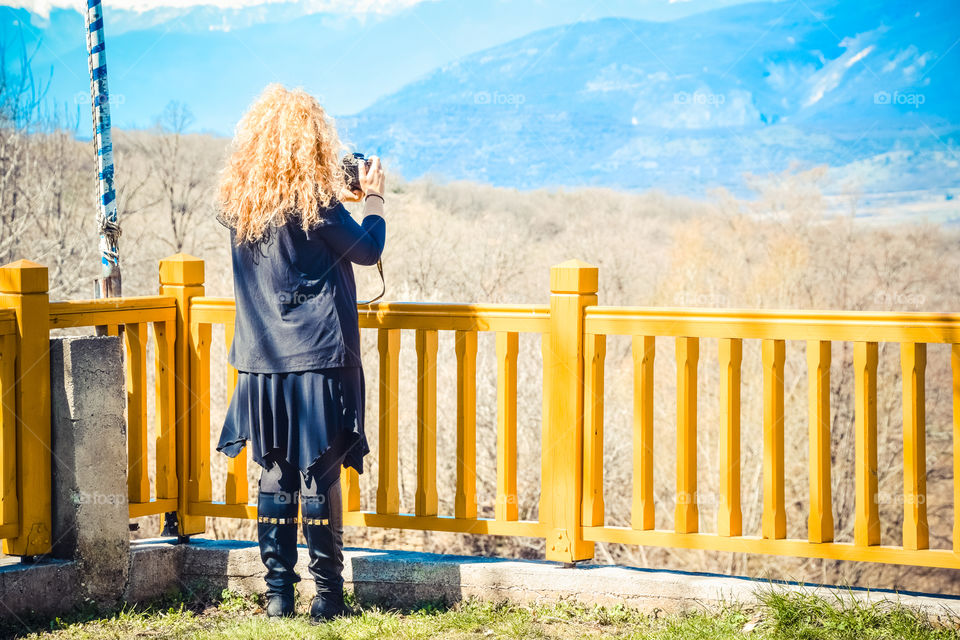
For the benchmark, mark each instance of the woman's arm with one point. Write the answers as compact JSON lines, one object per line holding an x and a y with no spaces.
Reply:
{"x":360,"y":243}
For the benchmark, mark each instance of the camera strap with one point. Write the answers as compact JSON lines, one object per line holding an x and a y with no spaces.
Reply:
{"x":383,"y":285}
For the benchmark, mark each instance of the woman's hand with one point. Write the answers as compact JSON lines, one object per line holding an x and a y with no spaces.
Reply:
{"x":371,"y":180}
{"x":350,"y":196}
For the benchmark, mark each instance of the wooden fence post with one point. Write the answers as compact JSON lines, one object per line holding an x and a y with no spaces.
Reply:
{"x":573,"y":286}
{"x":181,"y":276}
{"x":23,"y":288}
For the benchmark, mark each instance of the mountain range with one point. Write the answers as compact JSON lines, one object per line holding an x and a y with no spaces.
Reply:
{"x":868,"y":88}
{"x":683,"y":102}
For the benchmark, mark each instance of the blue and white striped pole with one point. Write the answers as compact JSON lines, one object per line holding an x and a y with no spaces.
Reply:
{"x":109,"y":283}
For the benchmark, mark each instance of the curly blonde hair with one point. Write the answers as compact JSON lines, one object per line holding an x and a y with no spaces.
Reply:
{"x":283,"y":164}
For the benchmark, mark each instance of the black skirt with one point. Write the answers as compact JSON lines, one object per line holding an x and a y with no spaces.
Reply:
{"x":314,"y":419}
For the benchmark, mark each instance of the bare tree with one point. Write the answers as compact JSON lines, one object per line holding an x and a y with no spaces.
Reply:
{"x":46,"y":179}
{"x":180,"y":176}
{"x":20,"y":98}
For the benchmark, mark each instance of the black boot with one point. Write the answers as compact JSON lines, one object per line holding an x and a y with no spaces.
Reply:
{"x":277,"y":533}
{"x":323,"y":530}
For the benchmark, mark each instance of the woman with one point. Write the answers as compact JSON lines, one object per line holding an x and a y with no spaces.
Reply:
{"x":299,"y":399}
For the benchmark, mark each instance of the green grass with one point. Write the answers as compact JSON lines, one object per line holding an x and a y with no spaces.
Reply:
{"x":230,"y":616}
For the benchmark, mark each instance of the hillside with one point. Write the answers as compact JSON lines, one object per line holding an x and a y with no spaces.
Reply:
{"x":693,"y":102}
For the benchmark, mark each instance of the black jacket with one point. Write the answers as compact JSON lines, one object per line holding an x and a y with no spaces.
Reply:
{"x":296,"y":295}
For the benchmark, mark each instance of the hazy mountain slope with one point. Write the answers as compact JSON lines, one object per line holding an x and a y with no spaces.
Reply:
{"x":682,"y":104}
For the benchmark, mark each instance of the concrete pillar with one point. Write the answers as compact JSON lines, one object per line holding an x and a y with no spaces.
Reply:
{"x":90,"y":513}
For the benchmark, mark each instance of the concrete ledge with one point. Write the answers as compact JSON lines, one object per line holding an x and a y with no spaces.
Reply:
{"x":48,"y":587}
{"x":154,"y":570}
{"x":404,"y":579}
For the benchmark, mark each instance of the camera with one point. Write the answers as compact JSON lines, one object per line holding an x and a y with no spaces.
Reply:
{"x":351,"y":169}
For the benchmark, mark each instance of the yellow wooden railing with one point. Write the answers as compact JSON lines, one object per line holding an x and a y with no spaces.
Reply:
{"x":573,"y":330}
{"x":388,"y":320}
{"x":132,"y":317}
{"x":913,"y":331}
{"x":182,"y":277}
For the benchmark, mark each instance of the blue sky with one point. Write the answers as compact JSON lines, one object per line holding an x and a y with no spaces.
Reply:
{"x":333,"y":6}
{"x":338,"y":6}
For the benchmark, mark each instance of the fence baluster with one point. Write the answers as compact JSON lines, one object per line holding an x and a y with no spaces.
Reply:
{"x":774,"y":524}
{"x":201,"y":486}
{"x":686,"y":516}
{"x":236,"y":490}
{"x":867,"y":521}
{"x":730,"y":519}
{"x":916,"y":533}
{"x":820,"y":522}
{"x":426,"y":498}
{"x":8,"y":426}
{"x":955,"y":368}
{"x":164,"y":334}
{"x":135,"y":343}
{"x":507,"y":349}
{"x":466,"y":498}
{"x":594,"y":351}
{"x":643,"y":512}
{"x":543,"y":505}
{"x":350,"y":488}
{"x":388,"y":489}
